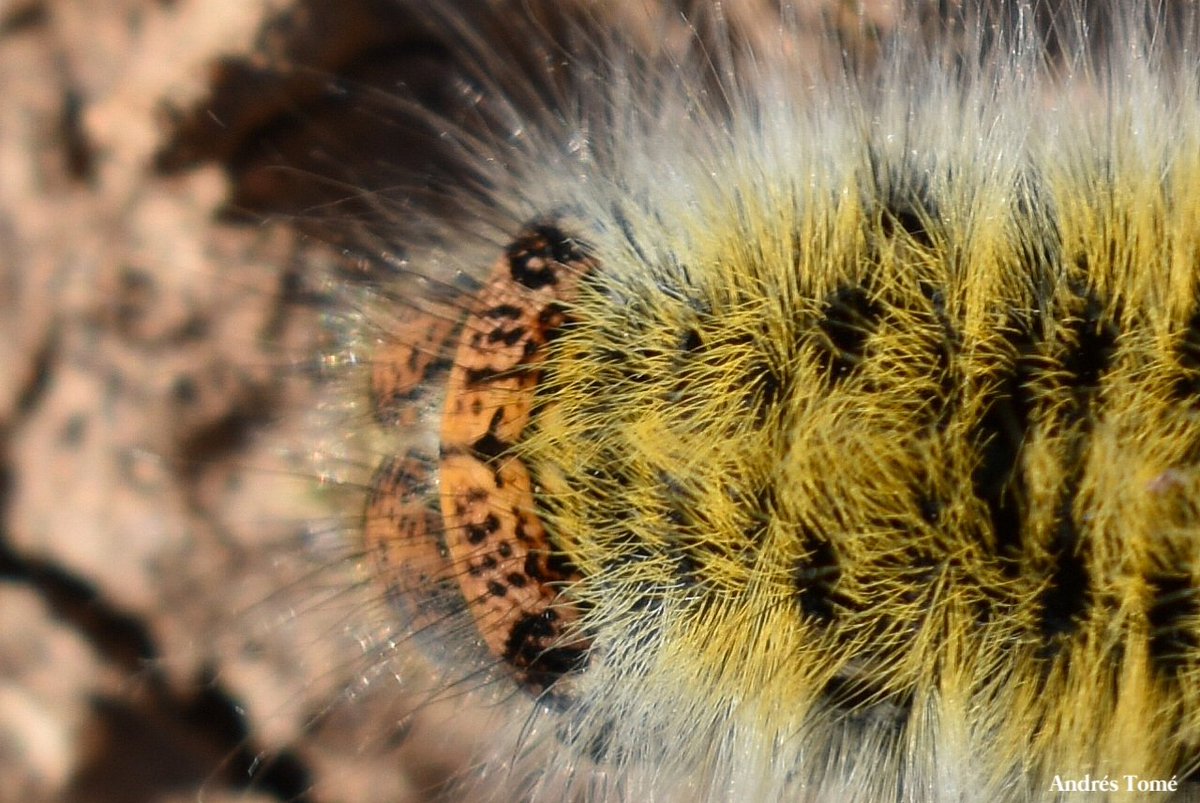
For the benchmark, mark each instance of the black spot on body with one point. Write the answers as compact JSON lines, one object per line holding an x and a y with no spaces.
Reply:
{"x":1095,"y":340}
{"x":999,"y":436}
{"x":854,"y":694}
{"x":687,"y":569}
{"x":816,"y":578}
{"x":1067,"y":596}
{"x":475,"y":377}
{"x":849,"y":318}
{"x":1173,"y":614}
{"x":908,"y":206}
{"x":768,"y":386}
{"x":563,"y":249}
{"x":496,"y":589}
{"x":1187,"y":387}
{"x":930,"y":509}
{"x":907,"y":218}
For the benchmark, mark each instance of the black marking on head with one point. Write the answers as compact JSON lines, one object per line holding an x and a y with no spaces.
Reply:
{"x":504,"y":311}
{"x":387,"y":407}
{"x":559,"y":565}
{"x":478,"y":533}
{"x":1173,"y":614}
{"x":816,"y":578}
{"x":543,"y":244}
{"x":475,"y":377}
{"x":521,"y":533}
{"x":508,"y":337}
{"x":490,"y":446}
{"x":553,"y":319}
{"x":533,"y":567}
{"x":533,"y":647}
{"x":409,"y":475}
{"x":849,"y":318}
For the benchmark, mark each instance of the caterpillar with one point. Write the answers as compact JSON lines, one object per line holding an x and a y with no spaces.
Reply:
{"x":785,"y":403}
{"x":822,"y":428}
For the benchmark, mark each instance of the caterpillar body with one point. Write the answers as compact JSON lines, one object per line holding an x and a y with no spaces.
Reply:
{"x":776,"y":423}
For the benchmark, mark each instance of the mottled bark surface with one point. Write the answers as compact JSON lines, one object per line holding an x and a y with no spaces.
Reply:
{"x":160,"y":626}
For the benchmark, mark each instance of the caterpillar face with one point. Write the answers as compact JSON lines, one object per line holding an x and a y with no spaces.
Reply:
{"x":814,"y":434}
{"x":490,"y":530}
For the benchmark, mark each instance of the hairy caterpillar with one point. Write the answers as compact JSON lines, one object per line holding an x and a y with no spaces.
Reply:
{"x":854,"y":459}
